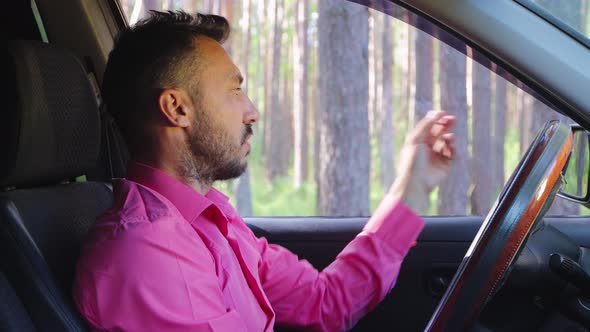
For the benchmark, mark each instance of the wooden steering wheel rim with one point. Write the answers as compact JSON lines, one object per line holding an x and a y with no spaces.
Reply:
{"x":522,"y":203}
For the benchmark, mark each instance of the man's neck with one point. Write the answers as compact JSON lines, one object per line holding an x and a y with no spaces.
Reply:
{"x":196,"y":185}
{"x":175,"y":171}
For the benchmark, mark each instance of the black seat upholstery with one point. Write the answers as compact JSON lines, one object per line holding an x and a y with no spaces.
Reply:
{"x":13,"y":316}
{"x":50,"y":135}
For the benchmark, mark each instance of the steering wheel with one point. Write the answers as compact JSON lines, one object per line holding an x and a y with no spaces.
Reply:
{"x":522,"y":203}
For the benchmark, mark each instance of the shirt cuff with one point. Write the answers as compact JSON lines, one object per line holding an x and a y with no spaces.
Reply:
{"x":394,"y":224}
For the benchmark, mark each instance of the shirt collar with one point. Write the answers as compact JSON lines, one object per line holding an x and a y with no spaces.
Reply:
{"x":188,"y":201}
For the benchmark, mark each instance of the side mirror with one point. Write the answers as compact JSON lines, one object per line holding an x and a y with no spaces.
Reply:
{"x":575,"y":180}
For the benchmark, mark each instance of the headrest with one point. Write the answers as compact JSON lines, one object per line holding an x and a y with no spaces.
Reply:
{"x":50,"y":127}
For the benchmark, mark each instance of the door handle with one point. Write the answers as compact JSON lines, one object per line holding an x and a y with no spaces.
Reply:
{"x":438,"y":278}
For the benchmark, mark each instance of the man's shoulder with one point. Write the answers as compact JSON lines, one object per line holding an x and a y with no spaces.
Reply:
{"x":137,"y":204}
{"x":138,"y":227}
{"x":138,"y":214}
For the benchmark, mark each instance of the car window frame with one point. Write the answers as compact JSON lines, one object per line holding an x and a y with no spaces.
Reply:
{"x":555,"y":21}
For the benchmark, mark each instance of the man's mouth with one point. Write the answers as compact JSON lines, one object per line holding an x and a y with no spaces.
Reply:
{"x":247,"y":134}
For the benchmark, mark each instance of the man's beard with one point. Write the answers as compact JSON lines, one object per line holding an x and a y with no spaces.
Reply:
{"x":210,"y":154}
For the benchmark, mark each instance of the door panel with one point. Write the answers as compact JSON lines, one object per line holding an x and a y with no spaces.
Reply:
{"x":432,"y":262}
{"x":427,"y":269}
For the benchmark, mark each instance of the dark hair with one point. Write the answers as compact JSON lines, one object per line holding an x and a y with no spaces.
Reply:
{"x":156,"y":53}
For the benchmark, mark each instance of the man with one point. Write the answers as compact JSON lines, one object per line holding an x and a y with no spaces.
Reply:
{"x":172,"y":254}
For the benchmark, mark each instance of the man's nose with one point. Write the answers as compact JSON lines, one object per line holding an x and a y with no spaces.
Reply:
{"x":251,"y":115}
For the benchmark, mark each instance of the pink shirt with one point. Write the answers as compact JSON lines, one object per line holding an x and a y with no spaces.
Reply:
{"x":166,"y":258}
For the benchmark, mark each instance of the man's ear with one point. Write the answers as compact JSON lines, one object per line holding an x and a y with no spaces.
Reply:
{"x":175,"y":106}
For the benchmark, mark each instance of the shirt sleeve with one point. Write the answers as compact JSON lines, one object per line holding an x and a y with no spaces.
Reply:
{"x":360,"y":277}
{"x":152,"y":278}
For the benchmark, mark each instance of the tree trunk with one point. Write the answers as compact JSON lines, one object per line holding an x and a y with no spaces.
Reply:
{"x":405,"y":81}
{"x":375,"y":84}
{"x":424,"y":89}
{"x":424,"y":75}
{"x":207,"y":6}
{"x":257,"y":81}
{"x":188,"y":6}
{"x":274,"y":113}
{"x":525,"y":125}
{"x":387,"y":134}
{"x":242,"y":185}
{"x":255,"y":84}
{"x":227,"y":10}
{"x":284,"y":116}
{"x":481,"y":180}
{"x":410,"y":88}
{"x":300,"y":102}
{"x":344,"y":157}
{"x":246,"y":46}
{"x":148,"y":5}
{"x":317,"y":116}
{"x":375,"y":111}
{"x":511,"y":110}
{"x":499,"y":136}
{"x":243,"y":195}
{"x":266,"y":45}
{"x":453,"y":98}
{"x":372,"y":58}
{"x":316,"y":109}
{"x":216,"y":6}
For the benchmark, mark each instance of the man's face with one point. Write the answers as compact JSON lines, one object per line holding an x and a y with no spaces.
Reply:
{"x":218,"y":137}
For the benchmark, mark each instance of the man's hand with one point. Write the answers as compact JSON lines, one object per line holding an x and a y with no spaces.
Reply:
{"x":425,"y":159}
